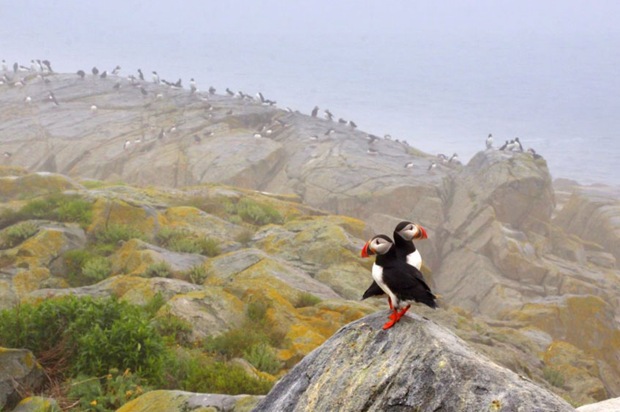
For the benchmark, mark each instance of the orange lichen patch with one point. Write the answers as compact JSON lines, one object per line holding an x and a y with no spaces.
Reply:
{"x":156,"y":401}
{"x":120,"y":285}
{"x":108,"y":212}
{"x":132,"y":259}
{"x":28,"y":280}
{"x":40,"y":249}
{"x":33,"y":185}
{"x":181,"y":215}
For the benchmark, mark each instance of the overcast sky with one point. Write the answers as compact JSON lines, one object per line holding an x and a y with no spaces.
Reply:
{"x":317,"y":16}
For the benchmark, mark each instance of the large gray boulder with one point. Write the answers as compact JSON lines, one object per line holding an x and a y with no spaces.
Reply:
{"x":19,"y":373}
{"x":609,"y":405}
{"x":415,"y":366}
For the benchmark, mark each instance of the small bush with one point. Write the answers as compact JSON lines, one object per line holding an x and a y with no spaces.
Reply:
{"x":306,"y":299}
{"x":154,"y":304}
{"x":16,"y":234}
{"x":85,"y":336}
{"x":158,"y":270}
{"x":59,"y":207}
{"x":223,"y":377}
{"x":244,"y":237}
{"x":115,"y":233}
{"x":173,"y":329}
{"x":197,"y":274}
{"x":107,"y":393}
{"x":257,"y":213}
{"x":186,"y":241}
{"x":263,"y":358}
{"x":96,"y":269}
{"x":553,"y":376}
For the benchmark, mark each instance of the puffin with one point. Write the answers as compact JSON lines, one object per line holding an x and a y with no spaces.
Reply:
{"x":489,"y":141}
{"x":404,"y":233}
{"x":402,"y":282}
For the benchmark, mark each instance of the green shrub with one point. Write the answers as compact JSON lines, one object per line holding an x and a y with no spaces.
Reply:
{"x":306,"y":299}
{"x":154,"y":304}
{"x":193,"y":371}
{"x":158,"y":270}
{"x":16,"y":234}
{"x":106,"y":393}
{"x":244,"y":237}
{"x":196,"y":274}
{"x":60,"y":207}
{"x":553,"y":376}
{"x":85,"y":336}
{"x":263,"y":358}
{"x":115,"y":233}
{"x":257,"y":213}
{"x":186,"y":241}
{"x":173,"y":329}
{"x":96,"y":269}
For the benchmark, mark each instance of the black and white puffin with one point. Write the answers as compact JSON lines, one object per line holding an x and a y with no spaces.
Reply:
{"x":404,"y":233}
{"x":402,"y":282}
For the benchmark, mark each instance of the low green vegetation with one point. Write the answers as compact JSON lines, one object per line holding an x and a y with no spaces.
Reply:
{"x":186,"y":241}
{"x":245,"y":209}
{"x":158,"y":270}
{"x":306,"y":299}
{"x":59,"y":207}
{"x":16,"y":234}
{"x":254,"y":340}
{"x":553,"y":376}
{"x":101,"y":353}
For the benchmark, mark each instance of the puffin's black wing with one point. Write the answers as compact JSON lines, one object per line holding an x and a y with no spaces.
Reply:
{"x":407,"y":283}
{"x":373,"y":290}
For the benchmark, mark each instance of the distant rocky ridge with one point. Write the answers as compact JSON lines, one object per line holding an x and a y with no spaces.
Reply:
{"x":538,"y":263}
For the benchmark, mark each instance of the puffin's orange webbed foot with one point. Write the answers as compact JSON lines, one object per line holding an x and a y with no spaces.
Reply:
{"x":389,"y":323}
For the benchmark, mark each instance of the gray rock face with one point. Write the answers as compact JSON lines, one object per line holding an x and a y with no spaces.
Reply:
{"x":19,"y":371}
{"x":415,"y":366}
{"x":609,"y":405}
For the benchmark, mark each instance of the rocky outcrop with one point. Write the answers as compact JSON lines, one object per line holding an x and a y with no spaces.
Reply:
{"x":179,"y":401}
{"x":416,"y":365}
{"x":19,"y":373}
{"x":606,"y":406}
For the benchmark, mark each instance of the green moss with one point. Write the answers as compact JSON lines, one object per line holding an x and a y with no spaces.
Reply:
{"x":16,"y":234}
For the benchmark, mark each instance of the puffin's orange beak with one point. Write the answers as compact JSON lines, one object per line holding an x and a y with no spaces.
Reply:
{"x":421,"y":233}
{"x":365,"y":253}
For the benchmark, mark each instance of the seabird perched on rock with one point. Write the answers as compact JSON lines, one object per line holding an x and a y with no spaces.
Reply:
{"x":178,"y":84}
{"x":212,"y":90}
{"x":7,"y":154}
{"x":93,"y":108}
{"x":95,"y":71}
{"x":402,"y":282}
{"x":504,"y":146}
{"x":489,"y":141}
{"x":431,"y":167}
{"x":511,"y":146}
{"x":342,"y":121}
{"x":442,"y":157}
{"x":534,"y":154}
{"x":329,"y":132}
{"x":28,"y":100}
{"x":260,"y":96}
{"x":314,"y":137}
{"x":352,"y":124}
{"x":155,"y":77}
{"x":34,"y":66}
{"x":192,"y":86}
{"x":52,"y":98}
{"x":208,"y":133}
{"x":518,"y":146}
{"x":4,"y":66}
{"x":104,"y":74}
{"x":372,"y":151}
{"x":328,"y":115}
{"x":116,"y":70}
{"x":48,"y":65}
{"x":81,"y":74}
{"x":15,"y":67}
{"x":126,"y":145}
{"x":162,"y":134}
{"x":409,"y":165}
{"x":117,"y":86}
{"x":140,"y":74}
{"x":258,"y":135}
{"x":315,"y":111}
{"x":229,"y":92}
{"x":387,"y":137}
{"x":454,"y":159}
{"x":372,"y":138}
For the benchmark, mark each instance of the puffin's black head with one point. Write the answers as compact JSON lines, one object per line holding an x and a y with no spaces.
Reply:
{"x":378,"y":245}
{"x":410,"y":231}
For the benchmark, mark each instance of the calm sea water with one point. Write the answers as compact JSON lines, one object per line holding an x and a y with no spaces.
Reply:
{"x":559,"y":95}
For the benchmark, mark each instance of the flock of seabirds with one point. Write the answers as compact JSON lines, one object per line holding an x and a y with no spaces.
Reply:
{"x":396,"y":271}
{"x":18,"y":75}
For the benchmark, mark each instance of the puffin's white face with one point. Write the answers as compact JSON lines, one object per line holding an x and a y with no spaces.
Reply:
{"x":412,"y":231}
{"x":378,"y":245}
